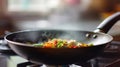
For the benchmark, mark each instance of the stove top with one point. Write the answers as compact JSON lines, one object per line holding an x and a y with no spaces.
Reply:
{"x":110,"y":58}
{"x":25,"y":64}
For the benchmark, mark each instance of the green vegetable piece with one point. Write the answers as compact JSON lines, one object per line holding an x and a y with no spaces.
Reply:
{"x":38,"y":45}
{"x":91,"y":44}
{"x":60,"y":44}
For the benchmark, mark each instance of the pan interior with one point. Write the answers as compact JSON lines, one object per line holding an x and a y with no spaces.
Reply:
{"x":39,"y":36}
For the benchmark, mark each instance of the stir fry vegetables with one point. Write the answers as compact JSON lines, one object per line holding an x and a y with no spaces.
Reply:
{"x":60,"y":43}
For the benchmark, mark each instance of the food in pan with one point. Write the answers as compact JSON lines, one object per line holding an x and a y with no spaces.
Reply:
{"x":62,"y":43}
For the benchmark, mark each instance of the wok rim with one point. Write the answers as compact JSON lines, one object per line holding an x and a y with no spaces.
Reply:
{"x":29,"y":45}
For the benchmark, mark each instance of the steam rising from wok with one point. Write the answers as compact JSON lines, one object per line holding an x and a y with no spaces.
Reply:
{"x":45,"y":35}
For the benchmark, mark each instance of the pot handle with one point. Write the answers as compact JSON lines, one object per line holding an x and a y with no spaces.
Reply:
{"x":107,"y":24}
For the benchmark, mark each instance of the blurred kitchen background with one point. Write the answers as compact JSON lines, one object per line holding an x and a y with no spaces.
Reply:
{"x":18,"y":15}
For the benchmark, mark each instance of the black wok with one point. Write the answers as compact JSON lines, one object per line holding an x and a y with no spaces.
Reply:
{"x":62,"y":56}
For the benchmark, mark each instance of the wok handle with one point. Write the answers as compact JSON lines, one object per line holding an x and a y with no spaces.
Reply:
{"x":107,"y":24}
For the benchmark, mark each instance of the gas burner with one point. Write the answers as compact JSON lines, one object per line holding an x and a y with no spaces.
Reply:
{"x":43,"y":65}
{"x":91,"y":63}
{"x":72,"y":65}
{"x":25,"y":64}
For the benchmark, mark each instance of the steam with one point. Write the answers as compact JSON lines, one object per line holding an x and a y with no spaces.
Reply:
{"x":71,"y":35}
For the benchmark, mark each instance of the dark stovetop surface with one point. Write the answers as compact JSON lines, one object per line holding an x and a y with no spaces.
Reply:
{"x":110,"y":55}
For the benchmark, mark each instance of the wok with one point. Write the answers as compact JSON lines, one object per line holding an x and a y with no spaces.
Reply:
{"x":62,"y":56}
